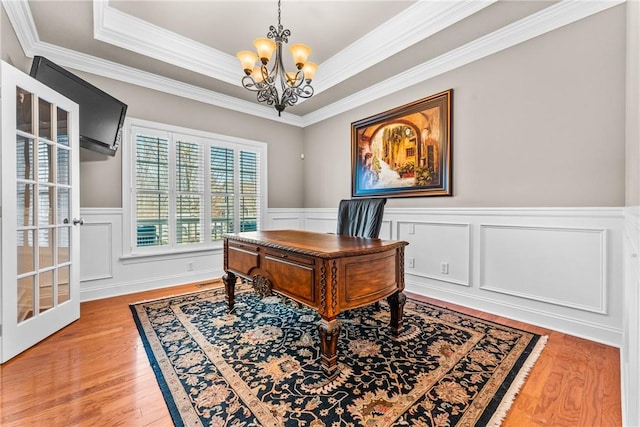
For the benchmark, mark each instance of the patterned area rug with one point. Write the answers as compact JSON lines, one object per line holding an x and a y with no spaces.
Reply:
{"x":259,"y":365}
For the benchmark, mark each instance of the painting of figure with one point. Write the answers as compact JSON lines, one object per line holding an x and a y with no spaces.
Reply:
{"x":405,"y":151}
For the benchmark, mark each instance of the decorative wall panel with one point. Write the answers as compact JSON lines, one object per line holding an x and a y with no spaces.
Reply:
{"x":562,"y":266}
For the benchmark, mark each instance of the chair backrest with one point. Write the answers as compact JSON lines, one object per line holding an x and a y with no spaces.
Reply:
{"x":360,"y":217}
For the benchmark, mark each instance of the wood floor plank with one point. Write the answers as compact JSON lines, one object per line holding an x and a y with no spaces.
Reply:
{"x":95,"y":372}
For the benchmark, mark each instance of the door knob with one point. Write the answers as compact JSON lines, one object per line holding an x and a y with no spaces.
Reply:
{"x":77,"y":221}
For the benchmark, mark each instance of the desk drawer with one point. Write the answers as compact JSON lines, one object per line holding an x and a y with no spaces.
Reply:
{"x":242,"y":258}
{"x":289,"y":256}
{"x":296,"y":280}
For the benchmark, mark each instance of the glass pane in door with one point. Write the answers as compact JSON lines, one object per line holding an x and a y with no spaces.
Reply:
{"x":25,"y":204}
{"x":45,"y":157}
{"x":24,"y":112}
{"x":45,"y":290}
{"x":44,"y":122}
{"x":45,"y":247}
{"x":26,"y":251}
{"x":62,"y":129}
{"x":63,"y":166}
{"x":24,"y":157}
{"x":26,"y":292}
{"x":64,"y":236}
{"x":63,"y":206}
{"x":63,"y":284}
{"x":45,"y":205}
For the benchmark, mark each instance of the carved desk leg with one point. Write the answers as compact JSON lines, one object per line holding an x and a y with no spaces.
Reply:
{"x":230,"y":288}
{"x":396,"y":307}
{"x":329,"y":333}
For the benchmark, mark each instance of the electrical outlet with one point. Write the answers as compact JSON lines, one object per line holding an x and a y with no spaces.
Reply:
{"x":412,"y":228}
{"x":411,"y":262}
{"x":189,"y":266}
{"x":444,"y":267}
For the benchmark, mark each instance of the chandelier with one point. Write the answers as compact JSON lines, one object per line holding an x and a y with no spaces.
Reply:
{"x":276,"y":86}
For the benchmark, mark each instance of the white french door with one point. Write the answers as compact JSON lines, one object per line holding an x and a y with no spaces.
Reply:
{"x":40,"y":212}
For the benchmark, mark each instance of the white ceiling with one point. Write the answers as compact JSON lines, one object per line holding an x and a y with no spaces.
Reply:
{"x":365,"y":49}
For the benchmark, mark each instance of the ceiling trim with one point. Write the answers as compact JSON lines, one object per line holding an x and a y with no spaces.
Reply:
{"x":549,"y":19}
{"x":21,"y":19}
{"x":395,"y":35}
{"x":563,"y":13}
{"x":120,"y":29}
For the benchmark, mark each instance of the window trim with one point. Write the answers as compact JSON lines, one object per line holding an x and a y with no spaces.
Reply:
{"x":129,"y":248}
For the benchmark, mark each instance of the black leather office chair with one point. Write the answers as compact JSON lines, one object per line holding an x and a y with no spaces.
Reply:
{"x":360,"y":217}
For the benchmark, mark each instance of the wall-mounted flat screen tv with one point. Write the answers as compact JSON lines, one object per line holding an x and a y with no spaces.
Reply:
{"x":101,"y":115}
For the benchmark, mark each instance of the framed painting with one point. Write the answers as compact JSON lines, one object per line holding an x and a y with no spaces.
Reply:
{"x":404,"y":152}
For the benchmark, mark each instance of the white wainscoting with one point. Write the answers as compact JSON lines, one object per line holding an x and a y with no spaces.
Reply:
{"x":560,"y":268}
{"x":98,"y":262}
{"x":105,"y":273}
{"x":545,"y":259}
{"x":437,"y":250}
{"x":630,"y":351}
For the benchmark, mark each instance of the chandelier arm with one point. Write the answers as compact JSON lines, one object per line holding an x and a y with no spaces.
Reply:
{"x":249,"y":83}
{"x":305,"y":91}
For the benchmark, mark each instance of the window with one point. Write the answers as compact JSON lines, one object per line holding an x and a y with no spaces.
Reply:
{"x":188,"y":187}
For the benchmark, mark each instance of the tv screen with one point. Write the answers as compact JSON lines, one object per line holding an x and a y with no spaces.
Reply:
{"x":101,"y":115}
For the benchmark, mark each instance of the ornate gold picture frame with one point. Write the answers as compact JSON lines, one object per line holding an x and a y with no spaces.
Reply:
{"x":404,"y":152}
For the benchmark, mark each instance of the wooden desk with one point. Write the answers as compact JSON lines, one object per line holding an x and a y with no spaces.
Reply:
{"x":327,"y":272}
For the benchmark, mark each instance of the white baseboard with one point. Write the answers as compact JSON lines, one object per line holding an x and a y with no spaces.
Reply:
{"x":156,"y":282}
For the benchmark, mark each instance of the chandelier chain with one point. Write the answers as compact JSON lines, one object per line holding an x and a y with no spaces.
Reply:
{"x":279,"y":25}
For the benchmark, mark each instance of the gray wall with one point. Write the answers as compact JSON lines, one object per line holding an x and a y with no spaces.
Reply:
{"x":284,"y":143}
{"x":632,"y":168}
{"x":539,"y":124}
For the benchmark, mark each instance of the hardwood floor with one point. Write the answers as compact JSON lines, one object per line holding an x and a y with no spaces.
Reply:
{"x":95,"y":372}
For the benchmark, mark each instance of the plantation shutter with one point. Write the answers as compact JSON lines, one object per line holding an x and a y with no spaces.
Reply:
{"x":188,"y":189}
{"x":152,"y":190}
{"x":249,"y":190}
{"x":222,"y":191}
{"x":189,"y":192}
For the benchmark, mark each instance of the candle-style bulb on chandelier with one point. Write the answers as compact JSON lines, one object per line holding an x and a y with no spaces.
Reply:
{"x":276,"y":86}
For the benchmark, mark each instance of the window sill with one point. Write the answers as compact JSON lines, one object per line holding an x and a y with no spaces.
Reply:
{"x":134,"y":258}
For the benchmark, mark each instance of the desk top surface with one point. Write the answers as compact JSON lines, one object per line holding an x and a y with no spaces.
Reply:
{"x":323,"y":245}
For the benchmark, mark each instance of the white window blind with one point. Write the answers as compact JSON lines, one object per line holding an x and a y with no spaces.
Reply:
{"x":189,"y":189}
{"x":152,"y":190}
{"x":222,"y":191}
{"x":190,"y":192}
{"x":249,"y":201}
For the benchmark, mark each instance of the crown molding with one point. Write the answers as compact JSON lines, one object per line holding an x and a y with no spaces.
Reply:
{"x":395,"y":35}
{"x":549,"y":19}
{"x":120,"y":29}
{"x":23,"y":24}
